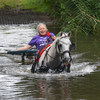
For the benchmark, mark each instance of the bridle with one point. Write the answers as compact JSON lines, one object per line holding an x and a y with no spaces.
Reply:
{"x":62,"y":53}
{"x":57,"y":47}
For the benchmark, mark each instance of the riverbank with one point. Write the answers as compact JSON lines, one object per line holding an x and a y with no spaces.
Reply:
{"x":15,"y":16}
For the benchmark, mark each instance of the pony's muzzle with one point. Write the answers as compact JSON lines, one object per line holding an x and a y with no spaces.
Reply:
{"x":67,"y":60}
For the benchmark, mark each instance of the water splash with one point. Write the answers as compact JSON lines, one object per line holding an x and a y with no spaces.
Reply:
{"x":16,"y":36}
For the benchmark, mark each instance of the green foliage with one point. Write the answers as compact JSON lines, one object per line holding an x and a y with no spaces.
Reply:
{"x":54,"y":7}
{"x":9,"y":3}
{"x":35,"y":5}
{"x":78,"y":16}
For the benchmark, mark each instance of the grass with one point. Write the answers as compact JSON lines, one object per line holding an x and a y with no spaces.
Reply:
{"x":34,"y":5}
{"x":10,"y":3}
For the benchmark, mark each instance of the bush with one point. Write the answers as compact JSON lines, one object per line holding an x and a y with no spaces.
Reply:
{"x":76,"y":15}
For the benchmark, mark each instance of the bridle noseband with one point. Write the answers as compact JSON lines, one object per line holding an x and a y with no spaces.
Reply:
{"x":62,"y":53}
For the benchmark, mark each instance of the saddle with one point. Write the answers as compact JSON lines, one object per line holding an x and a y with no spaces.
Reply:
{"x":41,"y":51}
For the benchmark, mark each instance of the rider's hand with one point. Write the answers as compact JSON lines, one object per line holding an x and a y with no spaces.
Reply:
{"x":52,"y":37}
{"x":48,"y":34}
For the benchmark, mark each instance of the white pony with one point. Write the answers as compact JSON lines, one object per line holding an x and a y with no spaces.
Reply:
{"x":57,"y":57}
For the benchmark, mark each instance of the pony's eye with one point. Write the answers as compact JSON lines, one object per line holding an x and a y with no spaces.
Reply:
{"x":60,"y":45}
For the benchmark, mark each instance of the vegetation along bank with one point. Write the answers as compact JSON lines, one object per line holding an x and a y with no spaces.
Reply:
{"x":78,"y":16}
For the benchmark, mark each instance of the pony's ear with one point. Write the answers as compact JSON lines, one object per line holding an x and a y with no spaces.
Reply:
{"x":60,"y":34}
{"x":69,"y":34}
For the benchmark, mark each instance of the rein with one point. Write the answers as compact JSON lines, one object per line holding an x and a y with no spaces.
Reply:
{"x":61,"y":54}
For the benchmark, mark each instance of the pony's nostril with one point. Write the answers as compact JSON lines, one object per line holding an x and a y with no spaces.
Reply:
{"x":66,"y":60}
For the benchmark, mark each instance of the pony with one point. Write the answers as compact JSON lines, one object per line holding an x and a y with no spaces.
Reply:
{"x":57,"y":57}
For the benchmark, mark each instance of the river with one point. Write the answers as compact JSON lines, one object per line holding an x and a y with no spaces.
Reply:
{"x":18,"y":83}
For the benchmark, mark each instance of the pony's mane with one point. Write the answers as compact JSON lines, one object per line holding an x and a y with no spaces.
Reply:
{"x":62,"y":35}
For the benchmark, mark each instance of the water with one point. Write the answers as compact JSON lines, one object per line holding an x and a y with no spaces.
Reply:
{"x":18,"y":83}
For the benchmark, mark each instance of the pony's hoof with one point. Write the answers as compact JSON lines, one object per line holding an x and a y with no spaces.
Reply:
{"x":32,"y":71}
{"x":43,"y":69}
{"x":68,"y":71}
{"x":68,"y":68}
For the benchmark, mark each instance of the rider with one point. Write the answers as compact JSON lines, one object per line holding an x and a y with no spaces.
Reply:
{"x":40,"y":40}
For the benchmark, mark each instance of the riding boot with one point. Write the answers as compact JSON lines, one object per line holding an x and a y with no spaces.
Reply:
{"x":68,"y":68}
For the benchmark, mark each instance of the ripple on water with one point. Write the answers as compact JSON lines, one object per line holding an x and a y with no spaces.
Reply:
{"x":18,"y":83}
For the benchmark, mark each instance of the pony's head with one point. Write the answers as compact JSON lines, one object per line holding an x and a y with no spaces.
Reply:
{"x":64,"y":46}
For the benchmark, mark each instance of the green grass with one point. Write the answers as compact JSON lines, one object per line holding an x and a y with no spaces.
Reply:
{"x":34,"y":5}
{"x":10,"y":3}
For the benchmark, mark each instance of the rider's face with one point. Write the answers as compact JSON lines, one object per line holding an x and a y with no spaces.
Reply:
{"x":42,"y":30}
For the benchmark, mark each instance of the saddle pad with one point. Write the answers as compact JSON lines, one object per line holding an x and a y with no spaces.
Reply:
{"x":41,"y":51}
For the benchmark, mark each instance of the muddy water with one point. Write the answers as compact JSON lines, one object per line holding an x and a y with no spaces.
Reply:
{"x":18,"y":83}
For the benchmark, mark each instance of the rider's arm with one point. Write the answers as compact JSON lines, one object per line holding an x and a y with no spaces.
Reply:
{"x":25,"y":47}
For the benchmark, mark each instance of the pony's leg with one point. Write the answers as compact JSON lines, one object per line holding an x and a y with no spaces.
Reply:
{"x":68,"y":68}
{"x":33,"y":67}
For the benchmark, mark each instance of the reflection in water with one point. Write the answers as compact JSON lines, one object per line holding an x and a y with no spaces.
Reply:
{"x":42,"y":88}
{"x":18,"y":83}
{"x":54,"y":89}
{"x":23,"y":87}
